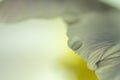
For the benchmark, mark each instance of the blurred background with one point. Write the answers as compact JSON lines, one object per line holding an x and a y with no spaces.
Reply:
{"x":36,"y":49}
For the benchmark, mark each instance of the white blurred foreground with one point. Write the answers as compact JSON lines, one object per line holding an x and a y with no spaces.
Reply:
{"x":29,"y":50}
